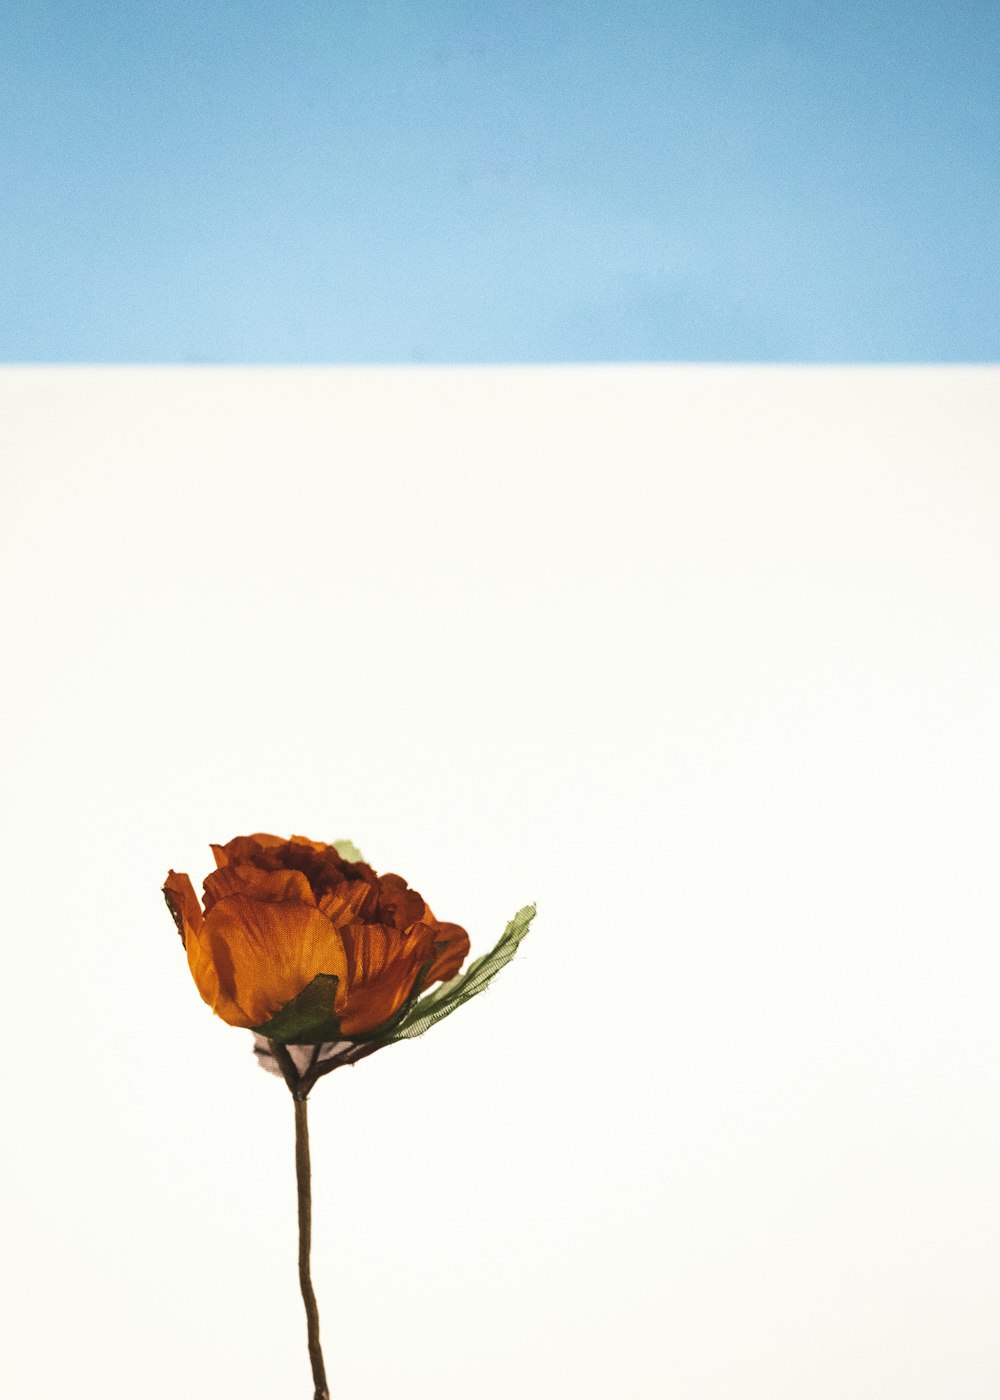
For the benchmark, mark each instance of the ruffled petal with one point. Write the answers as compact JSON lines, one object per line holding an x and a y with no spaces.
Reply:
{"x":264,"y":953}
{"x":313,"y":845}
{"x":322,"y":866}
{"x":347,"y":903}
{"x":451,"y":948}
{"x":242,"y":849}
{"x":398,"y":905}
{"x":258,"y":884}
{"x":382,"y":964}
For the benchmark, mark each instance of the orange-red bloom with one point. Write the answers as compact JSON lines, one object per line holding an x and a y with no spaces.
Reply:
{"x":279,"y":914}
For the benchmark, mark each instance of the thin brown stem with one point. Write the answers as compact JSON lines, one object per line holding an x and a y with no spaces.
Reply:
{"x":286,"y":1064}
{"x":349,"y":1056}
{"x":303,"y":1177}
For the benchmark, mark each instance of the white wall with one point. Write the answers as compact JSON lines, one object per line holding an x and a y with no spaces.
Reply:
{"x":704,"y":660}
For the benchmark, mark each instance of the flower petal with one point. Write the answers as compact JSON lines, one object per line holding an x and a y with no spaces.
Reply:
{"x":183,"y":904}
{"x":264,"y":953}
{"x":257,"y":883}
{"x":305,"y":841}
{"x":322,"y":866}
{"x":398,"y":905}
{"x":382,"y":966}
{"x":205,"y":961}
{"x":451,"y":948}
{"x":243,"y":848}
{"x":347,"y":902}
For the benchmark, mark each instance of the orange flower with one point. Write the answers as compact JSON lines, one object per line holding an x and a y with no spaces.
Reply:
{"x":304,"y":945}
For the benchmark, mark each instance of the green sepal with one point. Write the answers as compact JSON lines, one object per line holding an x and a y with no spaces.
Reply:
{"x":175,"y":914}
{"x":348,"y":851}
{"x":307,"y":1019}
{"x":427,"y":1010}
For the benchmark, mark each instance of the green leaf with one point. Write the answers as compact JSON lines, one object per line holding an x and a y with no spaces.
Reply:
{"x":307,"y":1019}
{"x":420,"y":1015}
{"x":348,"y":851}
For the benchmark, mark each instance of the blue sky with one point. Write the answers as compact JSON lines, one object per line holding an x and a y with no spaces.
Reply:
{"x":440,"y":182}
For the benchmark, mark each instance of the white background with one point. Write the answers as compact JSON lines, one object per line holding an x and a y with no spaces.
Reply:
{"x":705,"y":661}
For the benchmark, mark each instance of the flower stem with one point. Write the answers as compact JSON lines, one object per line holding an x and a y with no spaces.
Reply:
{"x":303,"y":1177}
